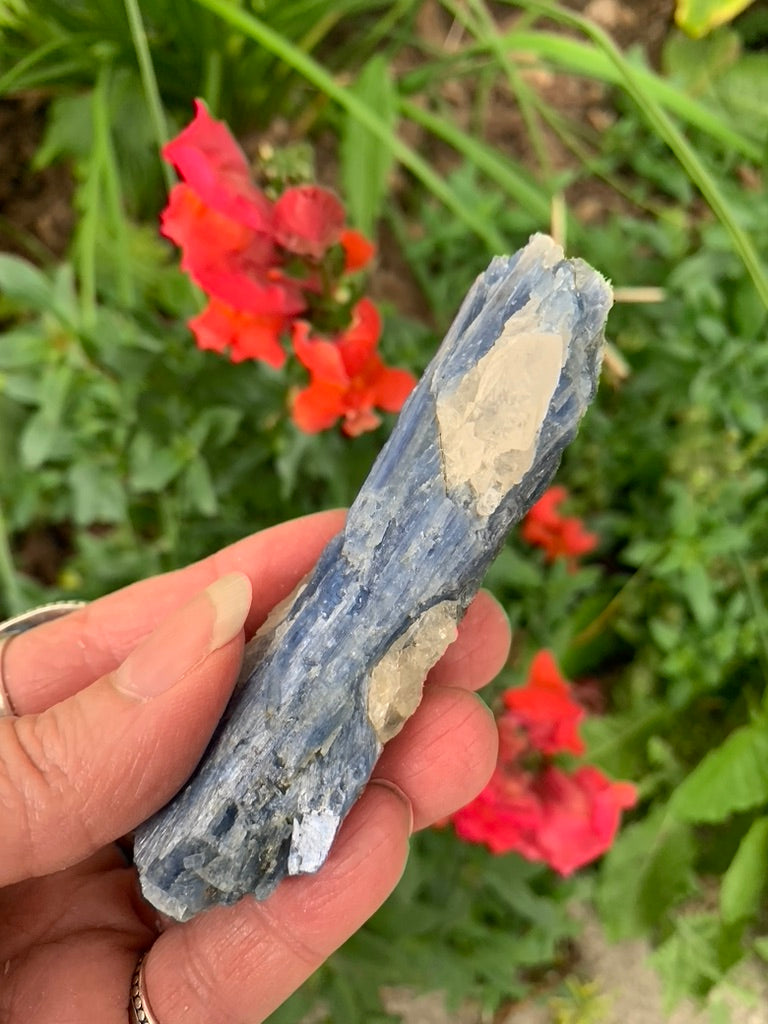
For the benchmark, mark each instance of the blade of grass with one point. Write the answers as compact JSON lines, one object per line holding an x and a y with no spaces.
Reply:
{"x":668,"y":131}
{"x":8,"y":580}
{"x":8,"y":80}
{"x":484,"y":29}
{"x":583,"y":59}
{"x":45,"y":76}
{"x":316,"y":74}
{"x":535,"y":200}
{"x":149,"y":81}
{"x":107,"y":163}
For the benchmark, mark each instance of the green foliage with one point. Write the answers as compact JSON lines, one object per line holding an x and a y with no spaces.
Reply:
{"x":146,"y":453}
{"x":366,"y":161}
{"x":745,"y":879}
{"x":460,"y":922}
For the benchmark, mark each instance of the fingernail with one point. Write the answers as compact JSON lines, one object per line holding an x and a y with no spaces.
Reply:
{"x":386,"y":784}
{"x":210,"y":620}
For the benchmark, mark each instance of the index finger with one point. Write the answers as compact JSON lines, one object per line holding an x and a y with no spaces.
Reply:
{"x":51,"y":662}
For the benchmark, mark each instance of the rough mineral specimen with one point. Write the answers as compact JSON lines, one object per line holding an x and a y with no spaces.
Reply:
{"x":338,"y":668}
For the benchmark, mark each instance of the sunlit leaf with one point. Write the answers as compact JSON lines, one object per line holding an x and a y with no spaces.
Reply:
{"x":697,"y":17}
{"x":732,"y":778}
{"x":745,"y":879}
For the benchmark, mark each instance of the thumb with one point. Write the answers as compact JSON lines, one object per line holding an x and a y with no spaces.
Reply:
{"x":89,"y":769}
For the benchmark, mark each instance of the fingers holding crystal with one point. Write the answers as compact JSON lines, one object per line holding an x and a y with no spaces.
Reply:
{"x":444,"y":755}
{"x":93,"y":766}
{"x":480,"y":650}
{"x":55,"y":660}
{"x":239,"y":963}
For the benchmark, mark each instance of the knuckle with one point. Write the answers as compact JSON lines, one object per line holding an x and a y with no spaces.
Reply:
{"x":200,"y":982}
{"x":36,"y":791}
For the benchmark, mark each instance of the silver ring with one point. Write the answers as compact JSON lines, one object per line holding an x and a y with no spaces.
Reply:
{"x":20,"y":624}
{"x":6,"y":707}
{"x":139,"y":1004}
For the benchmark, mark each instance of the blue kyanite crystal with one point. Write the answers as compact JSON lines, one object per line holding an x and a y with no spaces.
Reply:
{"x":338,"y":668}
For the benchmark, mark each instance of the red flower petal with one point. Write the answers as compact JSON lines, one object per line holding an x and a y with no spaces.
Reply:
{"x":582,"y":813}
{"x":198,"y":230}
{"x":559,"y":536}
{"x":230,"y":280}
{"x":392,"y":387}
{"x":317,"y":407}
{"x":220,"y":327}
{"x":322,"y":358}
{"x":564,"y":820}
{"x":545,"y":709}
{"x":359,"y":421}
{"x":353,"y":376}
{"x":213,"y":165}
{"x":358,"y":251}
{"x":358,"y":342}
{"x":308,"y":220}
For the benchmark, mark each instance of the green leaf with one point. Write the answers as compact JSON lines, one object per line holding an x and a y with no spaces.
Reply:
{"x":22,"y":347}
{"x":152,"y":467}
{"x":198,"y":487}
{"x":69,"y":130}
{"x":646,"y":872}
{"x":25,"y":284}
{"x":42,"y":433}
{"x":697,"y":587}
{"x":760,"y":946}
{"x":366,"y":160}
{"x":697,"y":17}
{"x":732,"y":778}
{"x":745,"y":879}
{"x":695,"y":957}
{"x":97,"y":494}
{"x":38,"y":439}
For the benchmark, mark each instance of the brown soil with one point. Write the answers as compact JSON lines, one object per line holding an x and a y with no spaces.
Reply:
{"x":36,"y":215}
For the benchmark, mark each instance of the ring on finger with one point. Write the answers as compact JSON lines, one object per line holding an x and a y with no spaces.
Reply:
{"x":11,"y":628}
{"x":139,"y":1003}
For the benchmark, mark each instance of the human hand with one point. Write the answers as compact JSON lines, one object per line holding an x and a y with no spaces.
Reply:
{"x":116,"y":703}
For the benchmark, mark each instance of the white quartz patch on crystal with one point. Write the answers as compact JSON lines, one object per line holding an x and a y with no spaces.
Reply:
{"x":396,"y":680}
{"x":490,"y":423}
{"x":311,"y":840}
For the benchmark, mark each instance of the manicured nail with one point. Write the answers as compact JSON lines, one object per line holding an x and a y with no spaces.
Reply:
{"x":210,"y":620}
{"x":401,"y":796}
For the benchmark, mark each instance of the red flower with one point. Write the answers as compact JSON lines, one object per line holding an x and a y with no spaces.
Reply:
{"x":348,"y":378}
{"x":545,"y":709}
{"x":308,"y":220}
{"x":581,"y":814}
{"x":559,"y":536}
{"x":531,"y":806}
{"x":261,"y":264}
{"x":215,"y":168}
{"x":358,"y":251}
{"x":228,"y":260}
{"x":241,"y":335}
{"x":564,"y":820}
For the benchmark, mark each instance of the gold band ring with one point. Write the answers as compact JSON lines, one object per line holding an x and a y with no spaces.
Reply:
{"x":139,"y":1004}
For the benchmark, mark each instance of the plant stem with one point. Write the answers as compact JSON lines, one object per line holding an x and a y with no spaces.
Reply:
{"x":110,"y":175}
{"x":8,"y":580}
{"x":149,"y":81}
